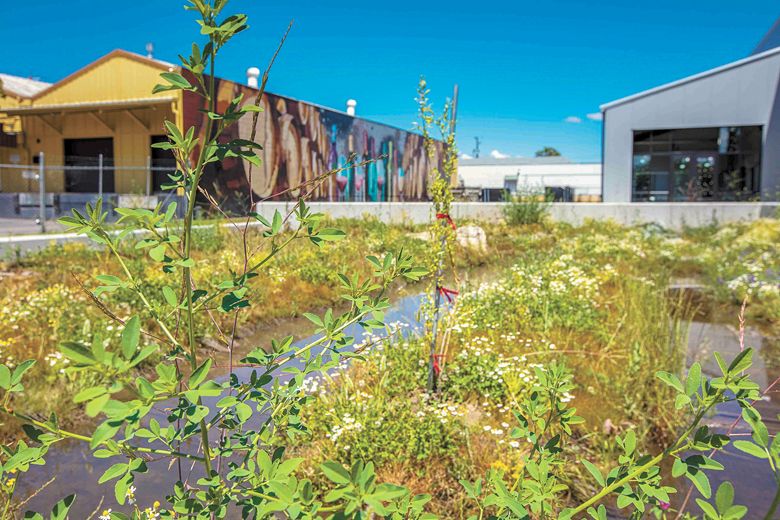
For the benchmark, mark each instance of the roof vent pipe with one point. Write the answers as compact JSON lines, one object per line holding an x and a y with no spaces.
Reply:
{"x":252,"y":73}
{"x":351,"y":104}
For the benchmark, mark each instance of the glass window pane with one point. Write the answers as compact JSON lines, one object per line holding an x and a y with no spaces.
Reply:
{"x":694,"y":164}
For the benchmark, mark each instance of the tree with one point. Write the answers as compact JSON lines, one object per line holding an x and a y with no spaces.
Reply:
{"x":548,"y":151}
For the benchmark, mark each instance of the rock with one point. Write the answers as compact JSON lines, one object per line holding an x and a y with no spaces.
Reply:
{"x":472,"y":237}
{"x":214,"y":345}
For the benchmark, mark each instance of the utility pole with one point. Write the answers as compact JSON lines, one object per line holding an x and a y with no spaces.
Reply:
{"x":41,"y":192}
{"x":475,"y":152}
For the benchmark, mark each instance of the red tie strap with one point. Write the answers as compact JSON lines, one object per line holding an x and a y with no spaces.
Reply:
{"x":447,"y":293}
{"x":446,"y":216}
{"x":436,"y":366}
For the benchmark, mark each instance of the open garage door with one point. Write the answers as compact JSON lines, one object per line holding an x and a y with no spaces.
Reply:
{"x":82,"y":159}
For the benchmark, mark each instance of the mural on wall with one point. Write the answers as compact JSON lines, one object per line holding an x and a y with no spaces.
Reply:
{"x":302,"y":141}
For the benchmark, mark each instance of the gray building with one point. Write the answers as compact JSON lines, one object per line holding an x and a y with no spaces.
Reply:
{"x":714,"y":136}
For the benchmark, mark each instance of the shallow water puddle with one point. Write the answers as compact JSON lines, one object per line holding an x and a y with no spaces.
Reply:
{"x":752,"y":478}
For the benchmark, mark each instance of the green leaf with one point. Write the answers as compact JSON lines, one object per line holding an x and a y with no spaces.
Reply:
{"x":113,"y":472}
{"x":314,"y":319}
{"x":102,"y":433}
{"x":704,"y":462}
{"x":708,"y":510}
{"x":89,"y":393}
{"x":700,"y":480}
{"x":78,"y":353}
{"x":131,"y":334}
{"x":200,"y":373}
{"x":679,"y":468}
{"x":170,"y":296}
{"x":331,"y":234}
{"x":629,"y":442}
{"x":243,"y":411}
{"x":751,"y":449}
{"x":753,"y":418}
{"x":61,"y":508}
{"x":95,"y":406}
{"x":19,"y":371}
{"x":276,"y":224}
{"x":693,"y":381}
{"x":158,"y":252}
{"x":335,"y":472}
{"x":176,"y":82}
{"x":681,"y":400}
{"x":594,"y":471}
{"x":724,"y":497}
{"x":742,"y":362}
{"x":5,"y":377}
{"x":108,"y":279}
{"x":671,"y":380}
{"x":120,"y":488}
{"x":721,"y":363}
{"x":143,"y":354}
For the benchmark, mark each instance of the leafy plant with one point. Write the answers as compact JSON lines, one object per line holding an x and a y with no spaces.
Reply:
{"x":545,"y":419}
{"x":236,"y":429}
{"x":529,"y":205}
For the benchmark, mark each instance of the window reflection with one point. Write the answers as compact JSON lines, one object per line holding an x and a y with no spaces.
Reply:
{"x":694,"y":164}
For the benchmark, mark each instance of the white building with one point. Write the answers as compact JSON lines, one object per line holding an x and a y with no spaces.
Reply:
{"x":714,"y":136}
{"x":567,"y":180}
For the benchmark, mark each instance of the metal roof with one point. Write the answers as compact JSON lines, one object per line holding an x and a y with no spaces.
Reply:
{"x":24,"y":87}
{"x":122,"y":104}
{"x":513,"y":161}
{"x":770,"y":40}
{"x":712,"y":72}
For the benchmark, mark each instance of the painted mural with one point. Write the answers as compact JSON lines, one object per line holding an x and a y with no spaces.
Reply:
{"x":302,"y":141}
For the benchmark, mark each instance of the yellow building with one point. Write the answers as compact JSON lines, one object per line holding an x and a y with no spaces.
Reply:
{"x":14,"y":92}
{"x":105,"y":108}
{"x":104,"y":118}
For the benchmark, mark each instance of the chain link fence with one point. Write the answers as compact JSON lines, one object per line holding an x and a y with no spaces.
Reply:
{"x":78,"y":180}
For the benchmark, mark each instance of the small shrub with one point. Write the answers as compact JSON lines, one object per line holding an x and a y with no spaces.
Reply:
{"x":528,"y":206}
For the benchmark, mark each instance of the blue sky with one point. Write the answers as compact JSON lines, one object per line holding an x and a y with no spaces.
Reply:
{"x":523,"y":67}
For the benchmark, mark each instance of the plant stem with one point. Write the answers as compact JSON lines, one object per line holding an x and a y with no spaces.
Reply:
{"x":187,"y":272}
{"x":676,"y":447}
{"x":775,"y":502}
{"x":140,"y":293}
{"x":84,"y":438}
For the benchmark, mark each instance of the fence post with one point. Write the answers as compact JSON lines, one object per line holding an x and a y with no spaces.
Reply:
{"x":100,"y":175}
{"x":42,"y":192}
{"x":148,"y":175}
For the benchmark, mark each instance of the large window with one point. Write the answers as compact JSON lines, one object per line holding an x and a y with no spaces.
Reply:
{"x":697,"y":164}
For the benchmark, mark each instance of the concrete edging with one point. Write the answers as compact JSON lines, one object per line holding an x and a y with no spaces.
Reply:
{"x":674,"y":216}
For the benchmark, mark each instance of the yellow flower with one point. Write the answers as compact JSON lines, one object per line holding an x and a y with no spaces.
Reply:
{"x":499,"y":465}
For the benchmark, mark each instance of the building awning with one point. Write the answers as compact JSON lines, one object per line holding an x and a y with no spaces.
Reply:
{"x":93,"y":106}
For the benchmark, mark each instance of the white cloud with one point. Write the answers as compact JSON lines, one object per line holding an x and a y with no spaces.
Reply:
{"x":573,"y":119}
{"x":495,"y":154}
{"x":596,"y":116}
{"x":465,"y":156}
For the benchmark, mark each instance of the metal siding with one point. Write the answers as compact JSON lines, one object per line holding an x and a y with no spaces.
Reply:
{"x":739,"y":96}
{"x":117,"y":78}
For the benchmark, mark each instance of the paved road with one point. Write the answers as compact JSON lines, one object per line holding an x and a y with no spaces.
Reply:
{"x":25,"y":226}
{"x":19,"y":235}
